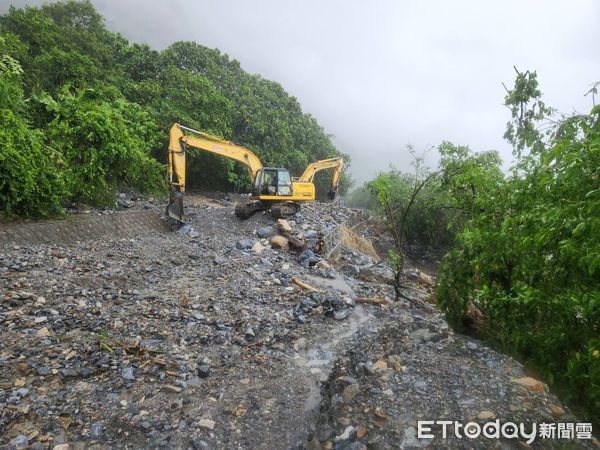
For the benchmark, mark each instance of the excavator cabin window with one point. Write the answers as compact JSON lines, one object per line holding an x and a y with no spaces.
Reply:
{"x":284,"y":183}
{"x":273,"y":182}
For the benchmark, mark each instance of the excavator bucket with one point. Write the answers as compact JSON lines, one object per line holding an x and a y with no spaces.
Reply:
{"x":175,"y":207}
{"x":334,"y":195}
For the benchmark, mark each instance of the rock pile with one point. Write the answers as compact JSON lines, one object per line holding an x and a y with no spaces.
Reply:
{"x":213,"y":337}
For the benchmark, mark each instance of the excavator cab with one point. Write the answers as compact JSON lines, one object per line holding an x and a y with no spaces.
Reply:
{"x":271,"y":181}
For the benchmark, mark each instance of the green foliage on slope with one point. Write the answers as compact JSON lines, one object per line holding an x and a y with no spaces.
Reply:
{"x":525,"y":247}
{"x":529,"y":259}
{"x":84,"y":112}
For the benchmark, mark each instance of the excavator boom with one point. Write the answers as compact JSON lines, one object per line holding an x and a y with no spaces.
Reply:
{"x":336,"y":163}
{"x":179,"y":138}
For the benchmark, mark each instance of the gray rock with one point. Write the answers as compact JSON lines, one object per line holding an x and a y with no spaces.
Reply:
{"x":346,"y":379}
{"x":342,"y":314}
{"x":420,"y":385}
{"x":198,"y":443}
{"x":467,"y":402}
{"x":86,"y":372}
{"x":185,"y":229}
{"x":203,"y":371}
{"x":127,"y":373}
{"x":421,"y":335}
{"x":22,"y":392}
{"x":265,"y":232}
{"x":349,"y":434}
{"x":305,"y":258}
{"x":310,"y":243}
{"x":95,"y":430}
{"x":19,"y":442}
{"x":310,"y":234}
{"x":69,"y":372}
{"x":410,"y":438}
{"x":350,"y":392}
{"x":472,"y":346}
{"x":244,"y":244}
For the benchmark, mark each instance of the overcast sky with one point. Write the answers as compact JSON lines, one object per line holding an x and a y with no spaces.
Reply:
{"x":381,"y":74}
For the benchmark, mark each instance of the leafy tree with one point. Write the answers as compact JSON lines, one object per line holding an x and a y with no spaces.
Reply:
{"x":31,"y":182}
{"x":527,"y":251}
{"x":106,"y":145}
{"x":527,"y":111}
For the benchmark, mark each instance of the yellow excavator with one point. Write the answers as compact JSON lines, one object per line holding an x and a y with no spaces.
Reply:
{"x":273,"y":187}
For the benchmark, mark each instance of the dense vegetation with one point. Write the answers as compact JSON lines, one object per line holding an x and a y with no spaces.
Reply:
{"x":83,"y":112}
{"x":525,"y":247}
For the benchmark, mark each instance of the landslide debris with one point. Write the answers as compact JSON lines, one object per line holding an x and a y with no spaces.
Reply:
{"x":211,"y":337}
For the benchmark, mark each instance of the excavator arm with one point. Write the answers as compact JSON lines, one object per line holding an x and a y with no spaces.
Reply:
{"x":332,"y":163}
{"x":181,"y":137}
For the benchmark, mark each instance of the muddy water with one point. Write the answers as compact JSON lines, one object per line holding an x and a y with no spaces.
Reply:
{"x":317,"y":360}
{"x":338,"y":283}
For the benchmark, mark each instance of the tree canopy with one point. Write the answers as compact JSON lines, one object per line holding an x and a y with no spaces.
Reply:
{"x":85,"y":112}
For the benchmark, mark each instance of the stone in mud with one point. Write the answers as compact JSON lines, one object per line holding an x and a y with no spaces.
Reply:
{"x":284,"y":226}
{"x":265,"y":232}
{"x":244,"y":244}
{"x":486,"y":415}
{"x":127,"y":374}
{"x":395,"y":362}
{"x":342,"y":314}
{"x":207,"y":423}
{"x":530,"y":383}
{"x":350,"y":392}
{"x":279,"y":242}
{"x":305,"y":257}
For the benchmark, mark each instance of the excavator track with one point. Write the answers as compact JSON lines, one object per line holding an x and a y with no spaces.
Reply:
{"x":284,"y":209}
{"x":246,"y":210}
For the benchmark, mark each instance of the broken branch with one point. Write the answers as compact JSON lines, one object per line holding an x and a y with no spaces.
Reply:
{"x":303,"y":285}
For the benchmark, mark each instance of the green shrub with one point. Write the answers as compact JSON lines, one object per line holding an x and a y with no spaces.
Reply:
{"x":31,"y":180}
{"x":106,"y":146}
{"x":529,"y":257}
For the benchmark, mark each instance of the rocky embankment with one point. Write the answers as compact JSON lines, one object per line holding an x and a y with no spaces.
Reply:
{"x":230,"y":334}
